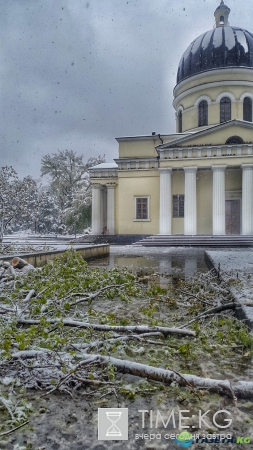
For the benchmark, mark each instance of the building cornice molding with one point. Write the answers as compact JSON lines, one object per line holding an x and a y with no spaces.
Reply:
{"x":208,"y":73}
{"x":205,"y":86}
{"x":151,"y":137}
{"x":206,"y":132}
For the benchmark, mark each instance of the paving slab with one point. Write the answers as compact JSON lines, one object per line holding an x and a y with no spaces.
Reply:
{"x":236,"y":268}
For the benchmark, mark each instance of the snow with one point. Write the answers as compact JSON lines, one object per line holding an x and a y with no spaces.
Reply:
{"x":229,"y":38}
{"x":206,"y":39}
{"x":238,"y":266}
{"x":105,"y":166}
{"x":217,"y":38}
{"x":196,"y":44}
{"x":242,"y":40}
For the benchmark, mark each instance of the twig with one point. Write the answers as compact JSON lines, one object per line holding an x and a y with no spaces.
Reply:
{"x":14,"y":429}
{"x":211,"y":311}
{"x":91,"y":381}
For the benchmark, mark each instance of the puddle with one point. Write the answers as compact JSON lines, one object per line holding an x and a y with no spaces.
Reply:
{"x":180,"y":262}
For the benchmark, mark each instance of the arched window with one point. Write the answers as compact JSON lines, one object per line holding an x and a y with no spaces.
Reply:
{"x":221,"y":18}
{"x":247,"y":109}
{"x":203,"y":113}
{"x":225,"y":109}
{"x":234,"y":140}
{"x":180,"y":121}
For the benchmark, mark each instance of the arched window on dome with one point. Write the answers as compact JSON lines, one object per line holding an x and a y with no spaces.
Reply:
{"x":180,"y":121}
{"x":247,"y":109}
{"x":203,"y":113}
{"x":225,"y":109}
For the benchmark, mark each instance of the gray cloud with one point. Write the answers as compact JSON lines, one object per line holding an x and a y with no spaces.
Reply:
{"x":76,"y":74}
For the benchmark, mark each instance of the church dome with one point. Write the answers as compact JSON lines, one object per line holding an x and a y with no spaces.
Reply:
{"x":222,"y":47}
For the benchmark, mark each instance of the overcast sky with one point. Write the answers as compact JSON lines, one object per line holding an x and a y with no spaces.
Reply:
{"x":75,"y":74}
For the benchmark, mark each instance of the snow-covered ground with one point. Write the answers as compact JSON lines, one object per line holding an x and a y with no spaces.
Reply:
{"x":236,"y":267}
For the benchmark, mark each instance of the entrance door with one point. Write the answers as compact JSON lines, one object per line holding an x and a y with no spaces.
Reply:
{"x":232,"y":216}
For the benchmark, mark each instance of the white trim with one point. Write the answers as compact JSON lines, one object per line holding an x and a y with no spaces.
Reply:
{"x":202,"y":97}
{"x":135,"y":208}
{"x":225,"y":94}
{"x":180,"y":108}
{"x":208,"y":73}
{"x":246,"y":94}
{"x":205,"y":86}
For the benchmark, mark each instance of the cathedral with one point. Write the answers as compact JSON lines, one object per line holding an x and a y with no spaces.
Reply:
{"x":199,"y":179}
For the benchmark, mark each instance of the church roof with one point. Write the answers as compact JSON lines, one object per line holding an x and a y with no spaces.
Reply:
{"x":206,"y":132}
{"x":218,"y":48}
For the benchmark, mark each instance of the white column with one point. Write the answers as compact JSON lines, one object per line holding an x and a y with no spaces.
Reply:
{"x":247,"y":199}
{"x":96,"y":209}
{"x":219,"y":225}
{"x":165,"y":201}
{"x":103,"y":207}
{"x":110,"y":208}
{"x":190,"y":201}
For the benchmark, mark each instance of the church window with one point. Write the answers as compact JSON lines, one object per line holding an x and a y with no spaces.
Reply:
{"x":141,"y":208}
{"x":234,"y":140}
{"x":203,"y":113}
{"x":180,"y":121}
{"x":247,"y":109}
{"x":225,"y":109}
{"x":178,"y":205}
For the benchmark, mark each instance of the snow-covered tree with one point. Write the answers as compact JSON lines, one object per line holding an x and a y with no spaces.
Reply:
{"x":70,"y":186}
{"x":19,"y":200}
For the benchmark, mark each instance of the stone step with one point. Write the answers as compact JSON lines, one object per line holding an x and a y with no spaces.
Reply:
{"x":196,"y":241}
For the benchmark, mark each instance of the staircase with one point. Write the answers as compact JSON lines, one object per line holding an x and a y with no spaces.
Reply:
{"x":228,"y":241}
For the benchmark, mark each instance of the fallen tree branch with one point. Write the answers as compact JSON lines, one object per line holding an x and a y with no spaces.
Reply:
{"x":122,"y":339}
{"x":91,"y":297}
{"x":217,"y":309}
{"x":118,"y":328}
{"x":29,"y":296}
{"x":241,"y":388}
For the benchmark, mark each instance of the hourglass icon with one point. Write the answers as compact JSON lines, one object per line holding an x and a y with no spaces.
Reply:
{"x":113,"y":417}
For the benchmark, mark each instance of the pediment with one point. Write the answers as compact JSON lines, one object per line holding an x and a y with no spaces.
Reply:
{"x":215,"y":135}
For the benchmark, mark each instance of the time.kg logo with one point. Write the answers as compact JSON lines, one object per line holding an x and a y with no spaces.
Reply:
{"x":112,"y":424}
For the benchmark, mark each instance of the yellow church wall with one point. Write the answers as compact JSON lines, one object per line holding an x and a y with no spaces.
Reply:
{"x":204,"y":201}
{"x":233,"y":180}
{"x":133,"y":186}
{"x":190,"y":110}
{"x":220,"y":137}
{"x":138,"y":149}
{"x":142,"y":148}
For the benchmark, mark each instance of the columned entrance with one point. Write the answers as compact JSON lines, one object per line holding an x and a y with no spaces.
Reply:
{"x":103,"y":208}
{"x":233,"y":216}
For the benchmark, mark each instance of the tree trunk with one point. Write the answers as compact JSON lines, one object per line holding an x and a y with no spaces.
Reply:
{"x":18,"y":263}
{"x":116,"y":328}
{"x":240,"y":388}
